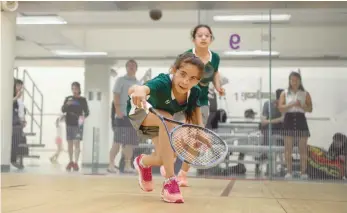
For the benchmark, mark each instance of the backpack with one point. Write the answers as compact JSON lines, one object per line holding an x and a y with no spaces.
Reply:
{"x":322,"y":165}
{"x":216,"y":117}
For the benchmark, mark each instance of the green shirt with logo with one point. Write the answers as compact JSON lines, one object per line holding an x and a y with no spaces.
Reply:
{"x":210,"y":69}
{"x":161,"y":96}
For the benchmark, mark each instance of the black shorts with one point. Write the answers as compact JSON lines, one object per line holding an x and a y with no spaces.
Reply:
{"x":74,"y":133}
{"x":124,"y":132}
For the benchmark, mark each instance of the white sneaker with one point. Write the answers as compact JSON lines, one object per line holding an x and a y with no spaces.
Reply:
{"x":304,"y":177}
{"x":112,"y":170}
{"x":129,"y":170}
{"x":288,"y":176}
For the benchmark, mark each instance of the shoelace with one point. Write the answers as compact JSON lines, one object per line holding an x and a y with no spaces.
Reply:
{"x":147,"y":174}
{"x":172,"y":186}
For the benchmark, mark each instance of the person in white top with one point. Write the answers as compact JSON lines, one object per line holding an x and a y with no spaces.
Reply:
{"x":18,"y":97}
{"x":18,"y":123}
{"x":295,"y":102}
{"x":58,"y":139}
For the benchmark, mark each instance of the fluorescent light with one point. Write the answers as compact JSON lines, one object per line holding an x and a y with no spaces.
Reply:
{"x":78,"y":53}
{"x":250,"y":18}
{"x":251,"y":53}
{"x":21,"y":20}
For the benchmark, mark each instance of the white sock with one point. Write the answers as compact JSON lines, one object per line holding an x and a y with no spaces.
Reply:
{"x":182,"y":173}
{"x":169,"y":179}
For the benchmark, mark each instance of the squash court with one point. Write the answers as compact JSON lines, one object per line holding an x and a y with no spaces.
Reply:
{"x":52,"y":46}
{"x":39,"y":193}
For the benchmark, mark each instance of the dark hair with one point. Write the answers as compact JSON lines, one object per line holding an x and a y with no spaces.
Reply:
{"x":249,"y":113}
{"x":189,"y":58}
{"x":131,"y":61}
{"x":278,"y":93}
{"x":17,"y":81}
{"x":296,"y":74}
{"x":14,"y":87}
{"x":78,"y":85}
{"x":15,"y":103}
{"x":195,"y":30}
{"x":340,"y":137}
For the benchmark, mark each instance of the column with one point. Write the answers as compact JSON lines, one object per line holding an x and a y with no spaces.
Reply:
{"x":97,"y":92}
{"x":7,"y":54}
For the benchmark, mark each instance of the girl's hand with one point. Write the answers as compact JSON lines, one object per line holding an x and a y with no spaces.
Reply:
{"x":138,"y":97}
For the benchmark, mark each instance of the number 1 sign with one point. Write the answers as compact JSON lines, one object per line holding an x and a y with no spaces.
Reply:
{"x":234,"y":41}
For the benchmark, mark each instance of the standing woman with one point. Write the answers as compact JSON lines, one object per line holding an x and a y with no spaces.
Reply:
{"x":202,"y":37}
{"x":18,"y":123}
{"x":295,"y":102}
{"x":76,"y":110}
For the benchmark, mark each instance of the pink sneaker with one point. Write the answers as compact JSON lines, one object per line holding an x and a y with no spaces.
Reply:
{"x":171,"y":192}
{"x":145,"y":175}
{"x":182,"y":179}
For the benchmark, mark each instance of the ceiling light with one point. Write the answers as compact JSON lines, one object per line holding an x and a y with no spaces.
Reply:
{"x":78,"y":53}
{"x":251,"y":18}
{"x":251,"y":53}
{"x":34,"y":20}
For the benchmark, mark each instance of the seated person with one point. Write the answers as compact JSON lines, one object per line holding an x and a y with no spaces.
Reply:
{"x":338,"y":148}
{"x":271,"y":108}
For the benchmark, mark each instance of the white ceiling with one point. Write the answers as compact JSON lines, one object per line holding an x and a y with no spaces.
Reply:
{"x":108,"y":16}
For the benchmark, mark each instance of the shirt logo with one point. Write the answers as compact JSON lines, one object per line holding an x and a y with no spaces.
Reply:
{"x":167,"y":101}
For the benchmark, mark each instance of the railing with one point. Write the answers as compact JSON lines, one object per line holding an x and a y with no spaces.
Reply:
{"x":32,"y":93}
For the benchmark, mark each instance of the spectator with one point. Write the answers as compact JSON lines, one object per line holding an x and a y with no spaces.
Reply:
{"x":124,"y":133}
{"x":295,"y":102}
{"x":276,"y":116}
{"x":58,"y":139}
{"x":338,"y":149}
{"x":270,"y":108}
{"x":76,"y":110}
{"x":18,"y":123}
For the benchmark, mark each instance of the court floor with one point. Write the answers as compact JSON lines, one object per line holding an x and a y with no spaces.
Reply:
{"x":41,"y":193}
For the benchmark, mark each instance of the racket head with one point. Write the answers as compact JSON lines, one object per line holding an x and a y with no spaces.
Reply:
{"x":198,"y":146}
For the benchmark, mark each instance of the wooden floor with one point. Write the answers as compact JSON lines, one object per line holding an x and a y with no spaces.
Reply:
{"x":28,"y":193}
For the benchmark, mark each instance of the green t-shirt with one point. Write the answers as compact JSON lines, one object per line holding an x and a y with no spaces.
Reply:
{"x":161,"y":96}
{"x":210,"y":69}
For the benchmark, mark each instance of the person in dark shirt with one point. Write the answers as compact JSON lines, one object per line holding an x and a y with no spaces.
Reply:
{"x":270,"y":109}
{"x":338,"y":149}
{"x":76,"y":110}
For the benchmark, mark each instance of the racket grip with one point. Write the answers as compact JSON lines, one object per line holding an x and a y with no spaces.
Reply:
{"x":152,"y":111}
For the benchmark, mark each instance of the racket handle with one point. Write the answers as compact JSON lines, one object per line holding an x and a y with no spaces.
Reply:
{"x":152,"y":111}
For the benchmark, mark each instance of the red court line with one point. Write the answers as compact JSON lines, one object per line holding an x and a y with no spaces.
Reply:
{"x":228,"y":188}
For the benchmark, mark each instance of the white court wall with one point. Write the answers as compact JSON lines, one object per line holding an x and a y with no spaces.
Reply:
{"x":160,"y":41}
{"x":326,"y":84}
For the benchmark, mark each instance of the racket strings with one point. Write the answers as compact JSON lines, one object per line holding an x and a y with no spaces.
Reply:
{"x":197,"y":145}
